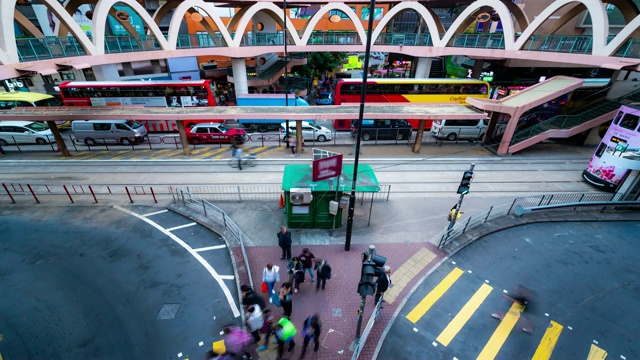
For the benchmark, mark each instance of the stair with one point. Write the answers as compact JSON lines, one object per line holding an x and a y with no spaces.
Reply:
{"x":272,"y":70}
{"x":569,"y":121}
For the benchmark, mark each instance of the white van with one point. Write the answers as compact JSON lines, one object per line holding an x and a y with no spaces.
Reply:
{"x":459,"y":129}
{"x":92,"y":132}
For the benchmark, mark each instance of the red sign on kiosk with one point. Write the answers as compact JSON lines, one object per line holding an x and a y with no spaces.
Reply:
{"x":327,"y":167}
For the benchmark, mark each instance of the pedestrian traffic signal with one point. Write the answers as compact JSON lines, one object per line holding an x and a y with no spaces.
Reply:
{"x":370,"y":269}
{"x":465,"y":183}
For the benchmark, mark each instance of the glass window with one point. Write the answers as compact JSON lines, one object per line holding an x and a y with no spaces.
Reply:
{"x":7,"y":104}
{"x":618,"y":117}
{"x":102,"y":126}
{"x":47,"y":102}
{"x":629,"y":121}
{"x":121,"y":127}
{"x":202,"y":130}
{"x":36,"y":126}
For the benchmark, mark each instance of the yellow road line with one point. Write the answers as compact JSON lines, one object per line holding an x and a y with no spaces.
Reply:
{"x":595,"y":353}
{"x":548,"y":342}
{"x":435,"y":294}
{"x":499,"y":336}
{"x":464,"y":315}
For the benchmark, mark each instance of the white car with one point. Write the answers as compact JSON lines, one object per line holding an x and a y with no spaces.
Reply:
{"x":24,"y":132}
{"x":309,"y":131}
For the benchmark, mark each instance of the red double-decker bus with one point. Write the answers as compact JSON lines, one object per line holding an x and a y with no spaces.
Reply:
{"x":408,"y":90}
{"x":164,"y":93}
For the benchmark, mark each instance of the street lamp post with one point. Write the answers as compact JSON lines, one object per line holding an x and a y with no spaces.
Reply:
{"x":352,"y":197}
{"x":286,"y":63}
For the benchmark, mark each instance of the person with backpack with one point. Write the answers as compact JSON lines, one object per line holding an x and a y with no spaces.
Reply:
{"x":284,"y":332}
{"x":323,"y":270}
{"x":236,"y":341}
{"x":311,"y":331}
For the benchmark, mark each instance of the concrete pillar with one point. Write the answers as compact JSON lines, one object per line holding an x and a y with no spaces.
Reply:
{"x":106,"y":72}
{"x":239,"y":76}
{"x":423,"y":68}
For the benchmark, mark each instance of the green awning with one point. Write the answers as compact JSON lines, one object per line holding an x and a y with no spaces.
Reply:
{"x":299,"y":176}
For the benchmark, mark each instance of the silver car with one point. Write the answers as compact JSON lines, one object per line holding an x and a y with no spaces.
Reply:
{"x":309,"y":131}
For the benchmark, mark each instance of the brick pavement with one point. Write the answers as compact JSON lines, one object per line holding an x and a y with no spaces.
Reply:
{"x":337,"y":305}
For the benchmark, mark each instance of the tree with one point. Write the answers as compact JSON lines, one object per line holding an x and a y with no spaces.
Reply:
{"x":319,"y":63}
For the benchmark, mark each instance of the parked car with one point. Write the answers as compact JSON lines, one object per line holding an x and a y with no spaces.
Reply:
{"x":93,"y":132}
{"x":383,"y":130}
{"x":459,"y":129}
{"x":325,"y":98}
{"x":24,"y":132}
{"x":213,"y":133}
{"x":309,"y":131}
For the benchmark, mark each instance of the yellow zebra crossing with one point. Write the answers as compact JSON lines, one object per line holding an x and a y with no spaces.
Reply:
{"x":504,"y":328}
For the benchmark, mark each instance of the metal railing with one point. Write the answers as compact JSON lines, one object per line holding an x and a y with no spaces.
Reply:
{"x":51,"y":47}
{"x":495,"y":212}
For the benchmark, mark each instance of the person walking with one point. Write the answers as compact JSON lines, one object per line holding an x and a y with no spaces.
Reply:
{"x":311,"y":331}
{"x":284,"y":332}
{"x":249,"y":297}
{"x":267,"y":329}
{"x":238,"y":156}
{"x":323,"y":273}
{"x":236,"y":341}
{"x":255,"y":321}
{"x":285,"y":299}
{"x":284,"y":241}
{"x":270,"y":275}
{"x":296,"y":274}
{"x":383,"y":283}
{"x":307,"y":259}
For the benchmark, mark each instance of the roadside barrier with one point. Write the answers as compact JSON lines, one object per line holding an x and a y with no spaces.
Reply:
{"x":85,"y":193}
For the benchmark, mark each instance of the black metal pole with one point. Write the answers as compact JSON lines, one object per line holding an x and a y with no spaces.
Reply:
{"x":363,"y":300}
{"x":286,"y":63}
{"x":454,"y":218}
{"x":352,"y":197}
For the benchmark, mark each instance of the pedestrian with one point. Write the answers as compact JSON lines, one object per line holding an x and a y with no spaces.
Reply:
{"x":249,"y":297}
{"x":323,"y":271}
{"x":311,"y":331}
{"x":284,"y":241}
{"x":296,"y":274}
{"x":236,"y":341}
{"x":383,"y":283}
{"x":255,"y":321}
{"x":267,"y":328}
{"x":452,"y":213}
{"x":307,"y":259}
{"x":238,"y":156}
{"x":270,"y":275}
{"x":284,"y":332}
{"x":285,"y":299}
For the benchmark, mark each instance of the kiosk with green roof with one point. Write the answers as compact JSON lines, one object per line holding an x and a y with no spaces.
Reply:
{"x":308,"y":204}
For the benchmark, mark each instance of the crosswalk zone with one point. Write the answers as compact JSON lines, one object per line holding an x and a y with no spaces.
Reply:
{"x":504,"y":328}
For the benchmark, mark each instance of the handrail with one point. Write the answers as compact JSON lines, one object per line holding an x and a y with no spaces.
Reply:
{"x":521,"y":211}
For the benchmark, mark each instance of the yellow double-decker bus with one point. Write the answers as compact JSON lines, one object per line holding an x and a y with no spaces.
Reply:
{"x":10,"y":100}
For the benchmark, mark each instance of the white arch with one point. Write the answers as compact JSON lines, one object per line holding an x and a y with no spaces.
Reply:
{"x":435,"y":26}
{"x":313,"y":21}
{"x":598,"y":17}
{"x":622,"y":36}
{"x":502,"y":10}
{"x":100,"y":18}
{"x":252,"y":10}
{"x":65,"y":18}
{"x":178,"y":15}
{"x":8,"y":47}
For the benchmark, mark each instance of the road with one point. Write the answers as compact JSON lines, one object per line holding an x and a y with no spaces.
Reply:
{"x":111,"y":283}
{"x":580,"y":279}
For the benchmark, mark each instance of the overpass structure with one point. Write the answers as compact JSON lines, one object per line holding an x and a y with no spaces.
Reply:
{"x":522,"y":38}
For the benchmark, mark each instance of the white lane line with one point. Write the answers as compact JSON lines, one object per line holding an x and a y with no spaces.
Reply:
{"x":210,"y":248}
{"x":155,"y":213}
{"x":227,"y":277}
{"x":214,"y":274}
{"x":180,"y":227}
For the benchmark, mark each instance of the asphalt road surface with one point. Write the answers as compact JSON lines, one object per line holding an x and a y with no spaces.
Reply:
{"x":111,"y":283}
{"x":580,"y":280}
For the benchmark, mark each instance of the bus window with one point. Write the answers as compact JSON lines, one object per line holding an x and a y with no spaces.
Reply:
{"x":618,"y":117}
{"x":629,"y":121}
{"x":601,"y":149}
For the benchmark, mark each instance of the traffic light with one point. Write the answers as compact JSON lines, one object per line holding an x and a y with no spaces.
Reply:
{"x":465,"y":183}
{"x":370,"y":269}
